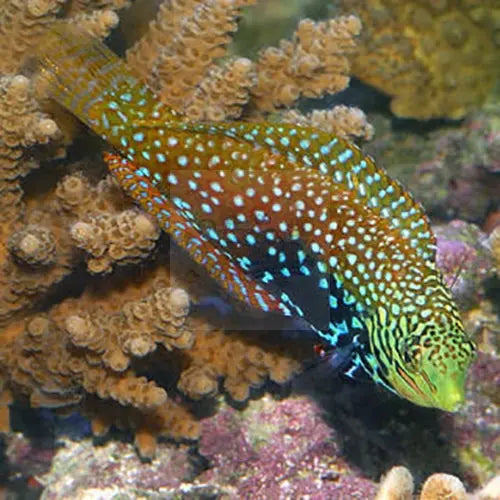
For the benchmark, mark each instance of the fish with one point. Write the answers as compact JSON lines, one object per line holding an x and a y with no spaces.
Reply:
{"x":289,"y":220}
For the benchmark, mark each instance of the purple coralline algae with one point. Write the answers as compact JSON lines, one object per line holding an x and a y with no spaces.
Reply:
{"x":465,"y":259}
{"x":451,"y":169}
{"x":272,"y":449}
{"x":280,"y":450}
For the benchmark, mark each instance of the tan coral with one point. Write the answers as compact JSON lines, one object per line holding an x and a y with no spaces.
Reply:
{"x":443,"y":487}
{"x":221,"y":94}
{"x":343,"y":121}
{"x":70,"y":357}
{"x":312,"y":64}
{"x":169,"y":419}
{"x":33,"y":245}
{"x":52,"y":358}
{"x":136,"y":331}
{"x":22,"y":125}
{"x":242,"y":366}
{"x":198,"y":381}
{"x":76,"y":7}
{"x":29,"y":20}
{"x":436,"y":59}
{"x":98,"y":23}
{"x":397,"y":484}
{"x":45,"y":235}
{"x":183,"y":67}
{"x":174,"y":61}
{"x":124,"y":238}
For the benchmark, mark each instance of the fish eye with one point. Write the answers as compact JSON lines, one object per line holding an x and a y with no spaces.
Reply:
{"x":404,"y":350}
{"x":411,"y":355}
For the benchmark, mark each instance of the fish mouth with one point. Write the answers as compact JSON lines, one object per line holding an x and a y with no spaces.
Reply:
{"x":447,"y":397}
{"x":452,"y":400}
{"x":451,"y":394}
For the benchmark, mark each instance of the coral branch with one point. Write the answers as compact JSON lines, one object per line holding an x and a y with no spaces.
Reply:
{"x":312,"y":64}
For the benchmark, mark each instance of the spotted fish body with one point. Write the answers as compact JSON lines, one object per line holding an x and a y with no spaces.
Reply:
{"x":278,"y":215}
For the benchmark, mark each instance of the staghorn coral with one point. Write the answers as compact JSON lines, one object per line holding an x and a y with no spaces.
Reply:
{"x":397,"y":484}
{"x":32,"y":257}
{"x":73,"y":342}
{"x":313,"y":63}
{"x":180,"y":65}
{"x":41,"y":251}
{"x":88,"y":352}
{"x":124,"y":238}
{"x":22,"y":125}
{"x":443,"y":486}
{"x":33,"y":245}
{"x":434,"y":58}
{"x":341,"y":120}
{"x":24,"y":24}
{"x":22,"y":122}
{"x":174,"y":61}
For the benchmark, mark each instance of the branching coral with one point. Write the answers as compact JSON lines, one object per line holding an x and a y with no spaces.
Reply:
{"x":436,"y":59}
{"x":180,"y":64}
{"x":313,"y":63}
{"x":92,"y":349}
{"x":22,"y":123}
{"x":124,"y":349}
{"x":32,"y":257}
{"x":40,"y":250}
{"x":24,"y":23}
{"x":123,"y":238}
{"x":341,"y":120}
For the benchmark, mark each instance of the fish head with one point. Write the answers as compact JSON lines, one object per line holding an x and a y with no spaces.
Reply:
{"x":425,"y":356}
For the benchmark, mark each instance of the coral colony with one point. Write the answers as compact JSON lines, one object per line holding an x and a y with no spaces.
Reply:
{"x":272,"y":211}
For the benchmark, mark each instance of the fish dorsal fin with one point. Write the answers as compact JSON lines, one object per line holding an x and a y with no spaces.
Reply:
{"x":347,"y":166}
{"x":97,"y":86}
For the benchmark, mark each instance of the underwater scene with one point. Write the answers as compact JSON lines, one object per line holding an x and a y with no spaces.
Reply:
{"x":250,"y":249}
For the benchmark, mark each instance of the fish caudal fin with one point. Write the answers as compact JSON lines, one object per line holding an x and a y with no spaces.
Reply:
{"x":79,"y":70}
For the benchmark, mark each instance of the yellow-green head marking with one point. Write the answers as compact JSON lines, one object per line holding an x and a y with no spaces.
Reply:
{"x":423,"y":355}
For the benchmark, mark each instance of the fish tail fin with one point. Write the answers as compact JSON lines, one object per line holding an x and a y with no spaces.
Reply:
{"x":87,"y":78}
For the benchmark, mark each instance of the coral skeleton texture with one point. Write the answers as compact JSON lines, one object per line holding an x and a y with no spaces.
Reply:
{"x":183,"y":66}
{"x":434,"y":58}
{"x":94,"y":308}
